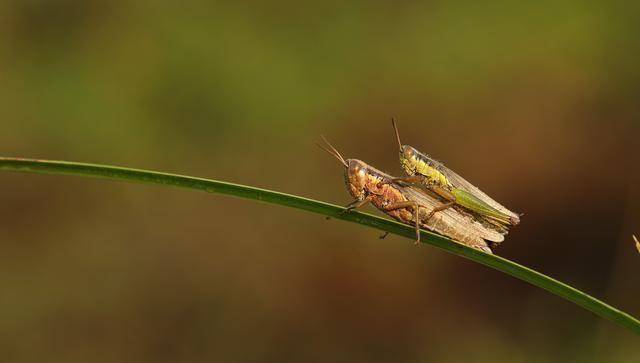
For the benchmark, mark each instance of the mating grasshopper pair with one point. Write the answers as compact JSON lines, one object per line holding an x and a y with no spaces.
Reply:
{"x":440,"y":200}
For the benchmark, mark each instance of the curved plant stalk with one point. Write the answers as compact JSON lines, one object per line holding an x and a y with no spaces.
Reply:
{"x":212,"y":186}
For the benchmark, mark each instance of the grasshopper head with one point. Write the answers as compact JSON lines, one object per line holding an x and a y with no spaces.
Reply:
{"x":409,"y":158}
{"x":356,"y":177}
{"x":355,"y":174}
{"x":408,"y":155}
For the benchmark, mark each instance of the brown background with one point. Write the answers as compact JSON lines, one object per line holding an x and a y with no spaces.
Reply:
{"x":536,"y":104}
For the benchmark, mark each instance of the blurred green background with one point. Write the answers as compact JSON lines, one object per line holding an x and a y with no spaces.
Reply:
{"x":536,"y":103}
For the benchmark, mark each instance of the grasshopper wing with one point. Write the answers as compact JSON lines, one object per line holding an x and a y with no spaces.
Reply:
{"x":452,"y":223}
{"x":461,"y":183}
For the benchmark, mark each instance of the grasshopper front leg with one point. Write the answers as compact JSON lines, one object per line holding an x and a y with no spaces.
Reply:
{"x":410,"y":179}
{"x":416,"y":179}
{"x":355,"y":205}
{"x":416,"y":213}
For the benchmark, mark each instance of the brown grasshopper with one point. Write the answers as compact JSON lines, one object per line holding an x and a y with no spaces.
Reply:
{"x":411,"y":205}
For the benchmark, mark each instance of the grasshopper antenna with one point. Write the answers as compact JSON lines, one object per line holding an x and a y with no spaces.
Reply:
{"x":395,"y":128}
{"x":332,"y":150}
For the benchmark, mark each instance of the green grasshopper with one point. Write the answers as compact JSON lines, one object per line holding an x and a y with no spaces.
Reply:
{"x":451,"y":187}
{"x":411,"y":205}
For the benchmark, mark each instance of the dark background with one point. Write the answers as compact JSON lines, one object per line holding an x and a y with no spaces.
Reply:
{"x":536,"y":103}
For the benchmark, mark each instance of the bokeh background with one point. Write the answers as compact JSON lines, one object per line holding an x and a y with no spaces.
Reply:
{"x":536,"y":103}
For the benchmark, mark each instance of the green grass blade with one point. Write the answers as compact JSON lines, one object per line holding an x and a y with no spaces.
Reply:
{"x":212,"y":186}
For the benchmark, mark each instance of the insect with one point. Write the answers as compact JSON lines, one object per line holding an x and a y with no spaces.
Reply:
{"x":451,"y":187}
{"x":410,"y":205}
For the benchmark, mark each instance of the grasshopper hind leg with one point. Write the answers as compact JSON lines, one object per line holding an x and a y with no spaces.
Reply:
{"x":442,"y":193}
{"x":416,"y":214}
{"x":440,"y":208}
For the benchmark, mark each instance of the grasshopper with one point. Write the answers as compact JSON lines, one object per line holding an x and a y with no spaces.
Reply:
{"x":451,"y":187}
{"x":410,"y":205}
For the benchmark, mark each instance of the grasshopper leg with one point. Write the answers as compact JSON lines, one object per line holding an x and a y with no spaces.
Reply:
{"x":384,"y":235}
{"x":355,"y":205}
{"x":439,"y":208}
{"x":449,"y":198}
{"x":410,"y":179}
{"x":416,"y":213}
{"x":351,"y":206}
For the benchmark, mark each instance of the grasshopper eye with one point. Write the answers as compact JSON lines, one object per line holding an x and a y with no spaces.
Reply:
{"x":407,"y":151}
{"x":357,"y":168}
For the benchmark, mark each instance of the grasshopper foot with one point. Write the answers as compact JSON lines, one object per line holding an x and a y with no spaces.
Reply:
{"x":345,"y":211}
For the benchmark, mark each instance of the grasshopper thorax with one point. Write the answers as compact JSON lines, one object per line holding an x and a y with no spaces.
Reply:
{"x":413,"y":162}
{"x":410,"y":159}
